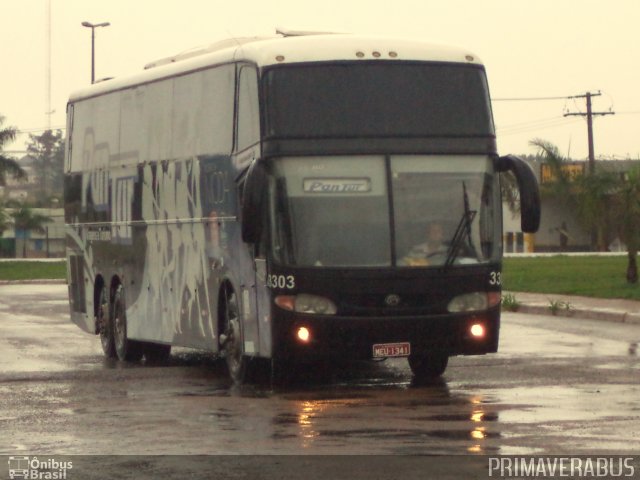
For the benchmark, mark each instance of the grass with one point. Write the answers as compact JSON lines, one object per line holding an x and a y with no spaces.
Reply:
{"x":32,"y":270}
{"x":589,"y":276}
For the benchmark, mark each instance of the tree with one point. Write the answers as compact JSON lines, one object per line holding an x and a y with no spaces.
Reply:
{"x":604,"y":201}
{"x":48,"y":151}
{"x":25,"y":221}
{"x":588,"y":195}
{"x":560,"y":186}
{"x":8,"y":165}
{"x":595,"y":193}
{"x":626,"y":213}
{"x":4,"y":220}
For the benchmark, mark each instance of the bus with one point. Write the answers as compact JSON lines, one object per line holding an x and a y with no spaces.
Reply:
{"x":281,"y":199}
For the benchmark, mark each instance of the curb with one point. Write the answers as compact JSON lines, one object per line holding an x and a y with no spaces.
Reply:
{"x":591,"y":314}
{"x":42,"y":281}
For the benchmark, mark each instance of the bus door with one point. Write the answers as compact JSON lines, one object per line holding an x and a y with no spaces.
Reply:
{"x":247,"y":147}
{"x":263,"y":307}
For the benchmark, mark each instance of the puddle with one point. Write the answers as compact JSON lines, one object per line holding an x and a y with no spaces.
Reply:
{"x":557,"y":403}
{"x":418,"y":435}
{"x":459,"y":417}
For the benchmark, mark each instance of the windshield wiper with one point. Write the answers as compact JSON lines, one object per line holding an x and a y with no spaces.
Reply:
{"x":463,"y":230}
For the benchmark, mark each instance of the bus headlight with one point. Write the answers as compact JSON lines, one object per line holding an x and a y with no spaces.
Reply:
{"x":469,"y":302}
{"x":305,"y":303}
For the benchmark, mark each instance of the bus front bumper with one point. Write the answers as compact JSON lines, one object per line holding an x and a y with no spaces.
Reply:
{"x":355,"y":337}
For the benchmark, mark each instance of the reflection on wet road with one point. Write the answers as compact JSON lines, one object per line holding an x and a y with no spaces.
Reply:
{"x":557,"y":386}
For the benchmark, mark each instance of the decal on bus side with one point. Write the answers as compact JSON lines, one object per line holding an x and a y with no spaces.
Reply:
{"x":495,"y":278}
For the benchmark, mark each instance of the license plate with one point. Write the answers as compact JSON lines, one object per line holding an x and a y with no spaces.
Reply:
{"x":383,"y":350}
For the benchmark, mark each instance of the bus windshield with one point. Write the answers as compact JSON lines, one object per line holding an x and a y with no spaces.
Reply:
{"x":435,"y":210}
{"x":389,"y":99}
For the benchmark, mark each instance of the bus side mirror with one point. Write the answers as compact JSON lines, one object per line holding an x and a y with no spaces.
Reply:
{"x":254,"y":188}
{"x":529,"y":192}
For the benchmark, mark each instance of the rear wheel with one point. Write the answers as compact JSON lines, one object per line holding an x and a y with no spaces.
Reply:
{"x":127,"y":350}
{"x":429,"y":365}
{"x":104,"y":325}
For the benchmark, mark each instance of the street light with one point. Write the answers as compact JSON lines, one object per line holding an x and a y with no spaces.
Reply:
{"x":93,"y":27}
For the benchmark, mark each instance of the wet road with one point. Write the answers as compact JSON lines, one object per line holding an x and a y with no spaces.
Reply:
{"x":557,"y":386}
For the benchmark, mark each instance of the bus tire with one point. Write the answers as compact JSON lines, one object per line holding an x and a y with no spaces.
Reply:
{"x":105,"y":325}
{"x":127,"y":350}
{"x":231,"y":337}
{"x":428,"y":366}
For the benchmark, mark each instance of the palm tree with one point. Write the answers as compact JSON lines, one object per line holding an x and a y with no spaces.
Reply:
{"x":8,"y":165}
{"x":25,"y":221}
{"x":595,"y":193}
{"x":626,"y":213}
{"x":588,"y":195}
{"x":4,"y":219}
{"x":560,"y":185}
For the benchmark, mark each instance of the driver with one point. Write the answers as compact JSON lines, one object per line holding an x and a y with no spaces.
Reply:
{"x":423,"y":253}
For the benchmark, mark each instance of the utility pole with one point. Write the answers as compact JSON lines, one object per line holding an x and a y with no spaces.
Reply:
{"x":592,"y":158}
{"x":47,"y":80}
{"x":590,"y":114}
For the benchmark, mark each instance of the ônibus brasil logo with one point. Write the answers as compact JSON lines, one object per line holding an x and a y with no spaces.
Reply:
{"x":38,"y":469}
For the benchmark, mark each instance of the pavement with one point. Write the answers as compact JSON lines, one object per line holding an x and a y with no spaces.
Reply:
{"x":612,"y":310}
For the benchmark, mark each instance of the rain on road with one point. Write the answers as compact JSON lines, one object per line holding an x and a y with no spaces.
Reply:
{"x":557,"y":386}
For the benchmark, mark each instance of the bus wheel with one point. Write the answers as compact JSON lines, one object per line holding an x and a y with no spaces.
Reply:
{"x":428,"y":366}
{"x":231,"y":338}
{"x":104,"y":325}
{"x":127,"y":350}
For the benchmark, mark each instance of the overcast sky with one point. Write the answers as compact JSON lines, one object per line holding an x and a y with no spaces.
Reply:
{"x":531,"y":48}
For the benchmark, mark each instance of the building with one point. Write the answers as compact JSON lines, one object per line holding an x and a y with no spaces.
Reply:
{"x":560,"y":229}
{"x":50,"y":243}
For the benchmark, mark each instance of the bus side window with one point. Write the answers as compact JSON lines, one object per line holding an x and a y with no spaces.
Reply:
{"x":248,"y":118}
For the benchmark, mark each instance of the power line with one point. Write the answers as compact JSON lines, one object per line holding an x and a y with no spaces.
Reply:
{"x":529,"y":122}
{"x":39,"y":129}
{"x":533,"y":126}
{"x":528,"y":99}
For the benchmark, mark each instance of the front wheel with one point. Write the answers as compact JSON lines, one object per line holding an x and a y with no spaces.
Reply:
{"x":231,"y":338}
{"x":428,"y":366}
{"x":127,"y":350}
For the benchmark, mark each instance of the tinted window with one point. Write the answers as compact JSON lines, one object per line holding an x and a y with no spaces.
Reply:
{"x":248,"y":118}
{"x":382,"y":99}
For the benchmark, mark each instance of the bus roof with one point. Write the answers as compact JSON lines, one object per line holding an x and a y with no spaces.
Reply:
{"x":294,"y":47}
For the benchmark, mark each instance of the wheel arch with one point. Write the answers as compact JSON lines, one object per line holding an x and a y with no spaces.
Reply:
{"x":98,"y":284}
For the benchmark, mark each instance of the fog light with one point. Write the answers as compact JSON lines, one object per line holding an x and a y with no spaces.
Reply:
{"x":304,"y":335}
{"x":477,"y":330}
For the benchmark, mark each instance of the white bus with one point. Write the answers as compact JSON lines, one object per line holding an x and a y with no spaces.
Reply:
{"x":276,"y":198}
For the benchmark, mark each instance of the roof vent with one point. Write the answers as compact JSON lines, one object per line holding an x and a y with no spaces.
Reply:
{"x":285,"y":32}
